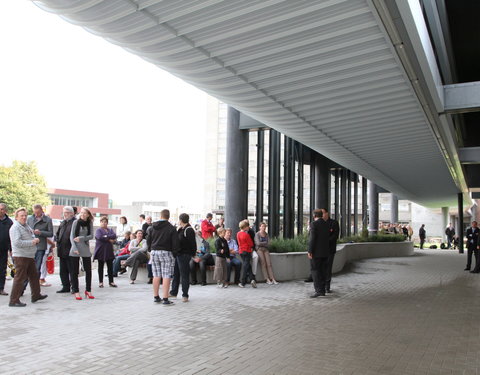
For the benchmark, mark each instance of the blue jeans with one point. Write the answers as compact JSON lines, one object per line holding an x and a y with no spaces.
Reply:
{"x":116,"y":263}
{"x":247,"y":267}
{"x":237,"y":265}
{"x":39,"y":259}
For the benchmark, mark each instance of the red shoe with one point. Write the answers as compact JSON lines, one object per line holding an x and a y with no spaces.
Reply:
{"x":89,"y":295}
{"x":78,"y":298}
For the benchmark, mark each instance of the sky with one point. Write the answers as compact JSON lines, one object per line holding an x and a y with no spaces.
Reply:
{"x":95,"y":117}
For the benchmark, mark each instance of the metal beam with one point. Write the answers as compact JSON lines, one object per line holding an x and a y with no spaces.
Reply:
{"x":462,"y":97}
{"x":469,"y":155}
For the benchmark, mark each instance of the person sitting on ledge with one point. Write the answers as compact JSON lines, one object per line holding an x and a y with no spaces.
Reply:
{"x":203,"y":259}
{"x":139,"y":254}
{"x":123,"y":254}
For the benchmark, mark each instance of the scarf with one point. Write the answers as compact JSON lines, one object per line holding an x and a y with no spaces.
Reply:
{"x":82,"y":223}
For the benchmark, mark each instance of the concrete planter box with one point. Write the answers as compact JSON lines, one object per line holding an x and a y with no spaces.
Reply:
{"x":294,"y":266}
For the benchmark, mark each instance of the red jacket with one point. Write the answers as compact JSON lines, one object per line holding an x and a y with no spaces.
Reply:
{"x":245,"y":242}
{"x":208,"y":229}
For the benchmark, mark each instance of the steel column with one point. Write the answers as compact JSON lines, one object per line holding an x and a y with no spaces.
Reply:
{"x":372,"y":207}
{"x":337,"y":192}
{"x":355,"y":204}
{"x":299,"y":148}
{"x":364,"y":204}
{"x":288,"y":189}
{"x":274,"y":184}
{"x":393,"y":208}
{"x":343,"y":203}
{"x":260,"y":177}
{"x":349,"y":203}
{"x":460,"y":223}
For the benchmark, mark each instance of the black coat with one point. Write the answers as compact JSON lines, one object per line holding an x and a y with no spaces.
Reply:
{"x":5,"y":225}
{"x":472,"y":238}
{"x":187,"y":242}
{"x":319,"y":241}
{"x":222,"y":244}
{"x":422,"y":233}
{"x":162,"y":236}
{"x":334,"y":232}
{"x":63,"y":238}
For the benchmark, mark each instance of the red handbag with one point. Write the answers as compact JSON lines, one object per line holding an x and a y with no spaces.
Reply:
{"x":50,"y":264}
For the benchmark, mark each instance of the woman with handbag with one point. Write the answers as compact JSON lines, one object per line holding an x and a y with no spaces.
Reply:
{"x":105,"y":237}
{"x":80,"y":236}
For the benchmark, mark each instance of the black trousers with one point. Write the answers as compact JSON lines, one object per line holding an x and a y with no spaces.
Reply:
{"x":101,"y":264}
{"x":87,"y":267}
{"x":65,"y":271}
{"x":181,"y":273}
{"x":207,"y":260}
{"x":3,"y":267}
{"x":319,"y":273}
{"x":473,"y":251}
{"x":328,"y":277}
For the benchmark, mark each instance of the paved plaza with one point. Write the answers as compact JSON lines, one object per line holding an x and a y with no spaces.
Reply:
{"x":415,"y":315}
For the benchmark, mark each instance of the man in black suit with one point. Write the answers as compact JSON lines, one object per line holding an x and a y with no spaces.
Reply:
{"x":333,"y":230}
{"x":63,"y":247}
{"x":318,"y":252}
{"x":472,"y":246}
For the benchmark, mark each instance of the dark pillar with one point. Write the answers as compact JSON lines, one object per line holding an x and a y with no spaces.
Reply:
{"x":322,"y":176}
{"x":364,"y":204}
{"x":274,"y":184}
{"x":288,"y":189}
{"x":337,"y":195}
{"x":372,"y":207}
{"x":393,"y":208}
{"x":236,"y":186}
{"x":260,"y":178}
{"x":349,"y":203}
{"x":460,"y":223}
{"x":312,"y":184}
{"x":355,"y":204}
{"x":299,"y":148}
{"x":343,"y":204}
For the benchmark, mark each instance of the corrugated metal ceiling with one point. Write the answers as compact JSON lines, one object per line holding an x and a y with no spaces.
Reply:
{"x":321,"y":72}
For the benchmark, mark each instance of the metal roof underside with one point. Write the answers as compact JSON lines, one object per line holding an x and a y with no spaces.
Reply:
{"x":322,"y":72}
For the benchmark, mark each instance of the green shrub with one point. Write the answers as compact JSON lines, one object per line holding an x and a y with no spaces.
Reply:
{"x":289,"y":245}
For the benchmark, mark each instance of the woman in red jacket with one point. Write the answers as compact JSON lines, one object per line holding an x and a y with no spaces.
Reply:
{"x":245,"y":245}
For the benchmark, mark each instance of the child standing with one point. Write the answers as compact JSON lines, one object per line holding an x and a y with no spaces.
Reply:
{"x":220,"y":273}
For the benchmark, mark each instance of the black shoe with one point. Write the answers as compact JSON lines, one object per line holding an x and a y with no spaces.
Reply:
{"x":122,"y":271}
{"x":193,"y":283}
{"x":157,"y":299}
{"x":309,"y":280}
{"x":39,"y":298}
{"x":166,"y":302}
{"x":329,"y":291}
{"x":150,"y":281}
{"x":63,"y":290}
{"x":17,"y":304}
{"x":203,"y":284}
{"x":315,"y":295}
{"x":474,"y":271}
{"x":467,"y":269}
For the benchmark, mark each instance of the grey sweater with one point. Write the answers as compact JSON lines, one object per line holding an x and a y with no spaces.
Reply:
{"x":21,"y":237}
{"x":140,"y":247}
{"x":261,"y":243}
{"x":83,"y":247}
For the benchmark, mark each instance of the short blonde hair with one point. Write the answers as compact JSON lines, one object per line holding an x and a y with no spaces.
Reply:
{"x":221,"y":230}
{"x":20,"y":210}
{"x":244,"y":224}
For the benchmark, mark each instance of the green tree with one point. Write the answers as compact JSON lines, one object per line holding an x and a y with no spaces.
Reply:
{"x":21,"y":185}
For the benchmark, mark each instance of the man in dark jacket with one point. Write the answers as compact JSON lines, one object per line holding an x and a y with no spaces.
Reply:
{"x":318,"y":252}
{"x":5,"y":246}
{"x":162,"y":242}
{"x":62,"y":237}
{"x":450,"y":232}
{"x":42,"y":228}
{"x":187,"y":250}
{"x":333,"y":230}
{"x":472,"y":246}
{"x":422,"y":233}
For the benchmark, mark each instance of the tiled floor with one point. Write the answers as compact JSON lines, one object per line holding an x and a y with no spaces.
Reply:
{"x":416,"y":315}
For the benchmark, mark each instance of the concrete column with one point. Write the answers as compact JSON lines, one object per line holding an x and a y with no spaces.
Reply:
{"x":274,"y":184}
{"x":445,"y":222}
{"x":460,"y":223}
{"x":393,"y":208}
{"x":260,"y":178}
{"x":372,"y":208}
{"x":322,"y":182}
{"x":236,"y":186}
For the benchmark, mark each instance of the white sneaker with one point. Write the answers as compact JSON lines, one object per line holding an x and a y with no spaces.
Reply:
{"x":241,"y":285}
{"x":254,"y":284}
{"x":220,"y":285}
{"x":225,"y":285}
{"x":269,"y":282}
{"x":275,"y":282}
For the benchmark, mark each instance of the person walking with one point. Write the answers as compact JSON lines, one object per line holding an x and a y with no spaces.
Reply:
{"x":422,"y":233}
{"x":450,"y":232}
{"x":138,"y":254}
{"x":187,"y":246}
{"x":105,"y":238}
{"x":64,"y":245}
{"x":222,"y":253}
{"x":162,"y":241}
{"x":333,"y":230}
{"x":318,"y":252}
{"x":5,"y":246}
{"x":472,"y":247}
{"x":80,"y":236}
{"x":42,"y":228}
{"x":245,"y":248}
{"x":24,"y":247}
{"x":262,"y":241}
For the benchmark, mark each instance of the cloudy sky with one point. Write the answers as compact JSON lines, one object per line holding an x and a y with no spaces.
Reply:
{"x":94,"y":116}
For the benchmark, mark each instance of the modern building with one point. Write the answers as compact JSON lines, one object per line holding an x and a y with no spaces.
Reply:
{"x":98,"y":203}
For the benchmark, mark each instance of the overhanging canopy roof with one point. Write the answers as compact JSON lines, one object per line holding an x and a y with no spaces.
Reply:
{"x":322,"y":72}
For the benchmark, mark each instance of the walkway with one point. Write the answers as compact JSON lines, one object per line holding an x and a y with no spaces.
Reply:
{"x":416,"y":315}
